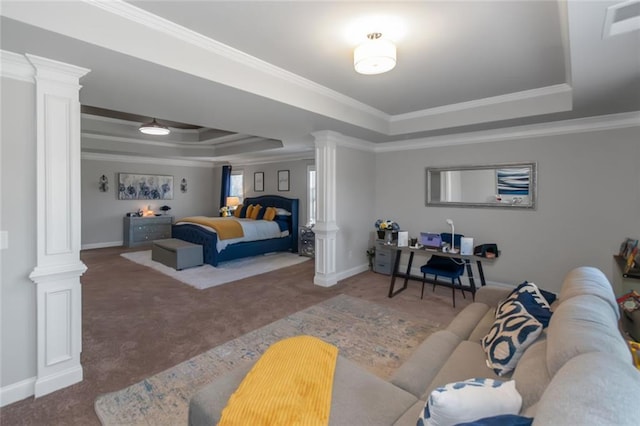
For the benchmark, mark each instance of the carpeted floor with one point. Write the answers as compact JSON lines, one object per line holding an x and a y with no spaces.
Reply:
{"x":374,"y":336}
{"x":138,"y":322}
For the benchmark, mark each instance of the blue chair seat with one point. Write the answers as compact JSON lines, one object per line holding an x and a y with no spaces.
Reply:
{"x":440,"y":266}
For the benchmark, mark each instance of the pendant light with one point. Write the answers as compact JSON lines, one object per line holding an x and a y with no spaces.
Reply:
{"x":154,"y":128}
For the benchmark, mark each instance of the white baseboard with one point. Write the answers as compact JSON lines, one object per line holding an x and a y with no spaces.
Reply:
{"x":17,"y":391}
{"x":60,"y":380}
{"x":101,"y":245}
{"x":351,"y":272}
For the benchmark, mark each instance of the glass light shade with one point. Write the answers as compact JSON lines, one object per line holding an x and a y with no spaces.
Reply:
{"x":374,"y":56}
{"x":154,"y":128}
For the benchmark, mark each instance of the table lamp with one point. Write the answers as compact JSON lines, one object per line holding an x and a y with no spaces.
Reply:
{"x":453,"y":237}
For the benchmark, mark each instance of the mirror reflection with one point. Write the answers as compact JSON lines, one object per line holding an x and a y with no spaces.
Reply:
{"x":511,"y":185}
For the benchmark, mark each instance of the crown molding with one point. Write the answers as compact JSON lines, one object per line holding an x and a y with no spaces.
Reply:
{"x":146,"y":160}
{"x":304,"y":156}
{"x":16,"y":67}
{"x":157,"y":23}
{"x":485,"y":102}
{"x":345,"y":141}
{"x":578,"y":125}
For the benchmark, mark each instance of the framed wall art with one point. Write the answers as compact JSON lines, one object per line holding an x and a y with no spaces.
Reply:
{"x":258,"y":181}
{"x":283,"y":180}
{"x":144,"y":187}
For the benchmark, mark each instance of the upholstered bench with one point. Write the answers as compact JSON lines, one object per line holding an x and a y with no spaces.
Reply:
{"x":176,"y":253}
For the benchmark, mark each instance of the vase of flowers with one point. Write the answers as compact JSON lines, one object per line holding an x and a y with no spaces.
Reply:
{"x":385,"y":229}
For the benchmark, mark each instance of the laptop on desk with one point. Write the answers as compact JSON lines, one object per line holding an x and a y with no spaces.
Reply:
{"x":430,"y":240}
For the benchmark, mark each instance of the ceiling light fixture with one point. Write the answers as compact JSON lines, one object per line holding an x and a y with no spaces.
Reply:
{"x":374,"y":56}
{"x":154,"y":128}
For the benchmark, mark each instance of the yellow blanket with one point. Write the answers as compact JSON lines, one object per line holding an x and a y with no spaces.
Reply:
{"x":225,"y":228}
{"x":291,"y":384}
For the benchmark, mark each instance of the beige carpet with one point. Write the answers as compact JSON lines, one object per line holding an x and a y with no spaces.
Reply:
{"x":375,"y":336}
{"x":207,"y":276}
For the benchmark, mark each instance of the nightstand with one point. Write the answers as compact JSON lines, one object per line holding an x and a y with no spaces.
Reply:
{"x":307,"y":241}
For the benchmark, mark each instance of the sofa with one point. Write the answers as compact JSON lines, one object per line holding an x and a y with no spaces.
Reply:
{"x":578,"y":370}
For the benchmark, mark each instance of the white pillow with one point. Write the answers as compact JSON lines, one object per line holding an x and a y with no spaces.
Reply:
{"x":470,"y":400}
{"x":282,"y":212}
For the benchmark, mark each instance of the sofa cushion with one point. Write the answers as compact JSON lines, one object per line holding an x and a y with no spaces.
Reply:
{"x":588,"y":280}
{"x":207,"y":404}
{"x":580,"y":325}
{"x":531,"y":374}
{"x":483,"y":326}
{"x":409,"y":417}
{"x":360,"y":397}
{"x":591,"y":389}
{"x":467,"y":360}
{"x":466,"y":321}
{"x":511,"y":333}
{"x":469,"y":400}
{"x":423,"y":365}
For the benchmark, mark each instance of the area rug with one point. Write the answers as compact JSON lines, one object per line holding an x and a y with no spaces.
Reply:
{"x":206,"y":276}
{"x":376,"y":337}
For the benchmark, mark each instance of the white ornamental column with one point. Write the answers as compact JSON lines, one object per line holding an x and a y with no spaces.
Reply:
{"x":325,"y":228}
{"x":58,"y":269}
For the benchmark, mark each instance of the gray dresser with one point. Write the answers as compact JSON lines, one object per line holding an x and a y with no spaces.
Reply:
{"x":143,"y":230}
{"x":383,"y":262}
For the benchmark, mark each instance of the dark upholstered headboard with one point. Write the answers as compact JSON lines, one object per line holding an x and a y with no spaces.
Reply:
{"x":290,"y":204}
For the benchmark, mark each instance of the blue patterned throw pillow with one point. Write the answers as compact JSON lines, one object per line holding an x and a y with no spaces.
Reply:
{"x":470,"y":400}
{"x":531,"y":297}
{"x":511,"y":333}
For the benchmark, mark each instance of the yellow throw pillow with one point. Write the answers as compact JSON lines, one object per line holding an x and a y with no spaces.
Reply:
{"x":237,"y":211}
{"x":255,"y":211}
{"x":248,"y":212}
{"x":270,"y":213}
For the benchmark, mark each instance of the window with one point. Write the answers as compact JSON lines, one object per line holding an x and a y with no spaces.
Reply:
{"x":311,"y":194}
{"x":237,"y":184}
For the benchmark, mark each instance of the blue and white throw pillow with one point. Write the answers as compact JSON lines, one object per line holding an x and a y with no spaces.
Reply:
{"x":509,"y":336}
{"x":470,"y":400}
{"x":531,"y":297}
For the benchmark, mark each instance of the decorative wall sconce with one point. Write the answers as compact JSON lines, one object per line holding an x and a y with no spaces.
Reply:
{"x":104,"y":184}
{"x":183,"y":185}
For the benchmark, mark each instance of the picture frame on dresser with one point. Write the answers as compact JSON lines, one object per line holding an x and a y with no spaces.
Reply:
{"x":258,"y":181}
{"x":283,"y":180}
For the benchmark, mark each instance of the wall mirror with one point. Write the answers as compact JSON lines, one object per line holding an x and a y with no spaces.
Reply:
{"x":508,"y":185}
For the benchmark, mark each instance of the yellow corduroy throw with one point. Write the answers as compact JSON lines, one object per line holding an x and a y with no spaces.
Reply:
{"x":225,"y":228}
{"x":291,"y":384}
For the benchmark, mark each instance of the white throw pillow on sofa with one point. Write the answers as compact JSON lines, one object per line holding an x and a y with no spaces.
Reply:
{"x":470,"y":400}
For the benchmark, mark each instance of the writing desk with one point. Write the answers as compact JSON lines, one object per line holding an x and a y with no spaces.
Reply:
{"x":395,"y":273}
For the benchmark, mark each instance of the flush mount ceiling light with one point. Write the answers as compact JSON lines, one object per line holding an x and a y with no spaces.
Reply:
{"x":374,"y":56}
{"x":154,"y":128}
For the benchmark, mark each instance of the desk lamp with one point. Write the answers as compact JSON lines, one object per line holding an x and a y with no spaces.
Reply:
{"x":453,"y":237}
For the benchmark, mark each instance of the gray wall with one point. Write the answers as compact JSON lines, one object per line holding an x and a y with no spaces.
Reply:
{"x":102,"y":212}
{"x":588,"y":202}
{"x":355,"y":195}
{"x":297,"y":181}
{"x":18,"y":216}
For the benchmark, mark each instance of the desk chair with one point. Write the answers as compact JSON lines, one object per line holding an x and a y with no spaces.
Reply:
{"x":445,"y":267}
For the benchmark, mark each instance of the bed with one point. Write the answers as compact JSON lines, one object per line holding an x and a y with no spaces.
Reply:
{"x":208,"y":239}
